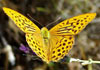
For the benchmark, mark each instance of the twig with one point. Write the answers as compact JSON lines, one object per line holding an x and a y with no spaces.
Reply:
{"x":84,"y":62}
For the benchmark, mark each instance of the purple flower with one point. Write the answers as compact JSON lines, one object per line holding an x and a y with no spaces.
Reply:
{"x":24,"y":49}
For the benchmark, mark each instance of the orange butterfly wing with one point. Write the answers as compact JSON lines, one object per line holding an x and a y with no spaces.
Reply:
{"x":21,"y":21}
{"x":73,"y":25}
{"x":62,"y":35}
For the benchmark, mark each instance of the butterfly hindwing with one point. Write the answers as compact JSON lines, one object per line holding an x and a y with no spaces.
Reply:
{"x":21,"y":21}
{"x":61,"y":46}
{"x":73,"y":25}
{"x":36,"y":44}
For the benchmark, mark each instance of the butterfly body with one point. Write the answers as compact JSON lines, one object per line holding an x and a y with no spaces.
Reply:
{"x":45,"y":35}
{"x":53,"y":44}
{"x":46,"y":39}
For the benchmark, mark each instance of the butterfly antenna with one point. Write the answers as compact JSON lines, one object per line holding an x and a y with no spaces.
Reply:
{"x":34,"y":20}
{"x":54,"y":21}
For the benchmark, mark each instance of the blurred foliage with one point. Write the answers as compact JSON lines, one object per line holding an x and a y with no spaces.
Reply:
{"x":87,"y":43}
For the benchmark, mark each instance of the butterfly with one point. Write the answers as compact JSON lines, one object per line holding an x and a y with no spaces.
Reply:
{"x":55,"y":43}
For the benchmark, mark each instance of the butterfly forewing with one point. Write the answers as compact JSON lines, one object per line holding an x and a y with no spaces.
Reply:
{"x":73,"y":25}
{"x":21,"y":21}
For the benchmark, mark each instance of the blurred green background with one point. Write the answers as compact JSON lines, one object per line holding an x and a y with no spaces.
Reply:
{"x":87,"y":43}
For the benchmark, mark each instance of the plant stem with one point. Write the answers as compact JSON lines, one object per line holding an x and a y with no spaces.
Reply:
{"x":84,"y":62}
